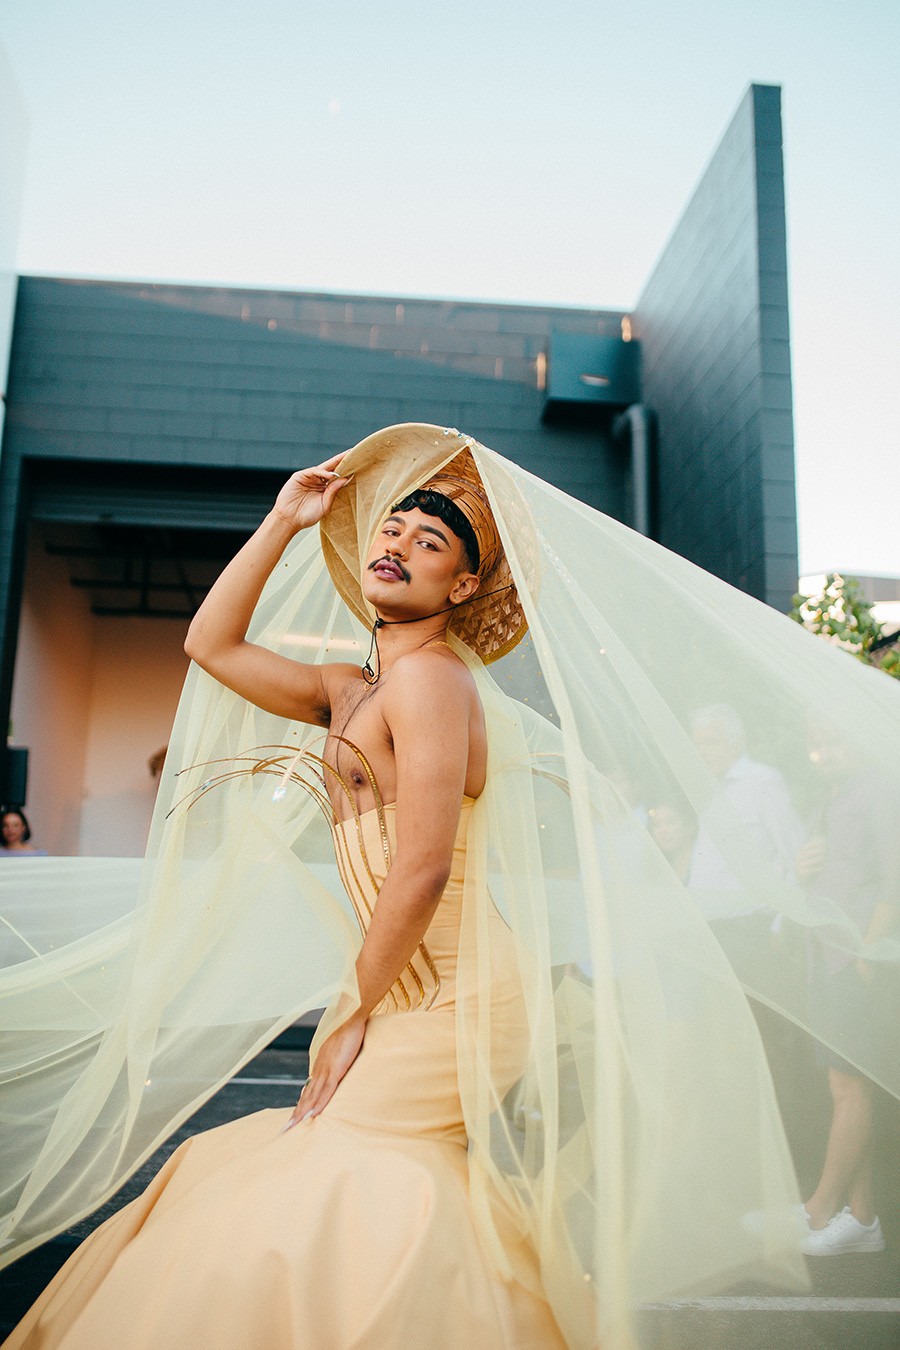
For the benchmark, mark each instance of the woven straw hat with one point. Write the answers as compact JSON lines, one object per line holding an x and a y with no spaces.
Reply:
{"x":385,"y":468}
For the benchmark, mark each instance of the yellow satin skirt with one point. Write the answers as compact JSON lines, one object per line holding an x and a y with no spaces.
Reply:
{"x":350,"y":1231}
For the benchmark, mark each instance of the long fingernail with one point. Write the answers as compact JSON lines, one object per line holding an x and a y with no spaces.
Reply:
{"x":286,"y":1127}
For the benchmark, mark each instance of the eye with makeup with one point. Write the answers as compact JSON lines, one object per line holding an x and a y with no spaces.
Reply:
{"x":392,"y":532}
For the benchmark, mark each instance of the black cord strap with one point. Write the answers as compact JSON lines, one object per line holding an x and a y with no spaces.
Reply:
{"x":372,"y":676}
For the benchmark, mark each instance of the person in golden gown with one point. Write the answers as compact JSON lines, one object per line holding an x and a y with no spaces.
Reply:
{"x":231,"y":1244}
{"x":538,"y":1098}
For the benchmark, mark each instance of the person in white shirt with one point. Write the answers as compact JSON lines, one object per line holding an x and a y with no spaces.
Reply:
{"x":758,"y":795}
{"x":751,"y":813}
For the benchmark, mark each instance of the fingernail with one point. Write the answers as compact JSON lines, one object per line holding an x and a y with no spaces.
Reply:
{"x":286,"y":1127}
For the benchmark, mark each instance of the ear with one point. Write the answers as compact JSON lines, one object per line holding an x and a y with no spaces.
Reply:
{"x":464,"y":587}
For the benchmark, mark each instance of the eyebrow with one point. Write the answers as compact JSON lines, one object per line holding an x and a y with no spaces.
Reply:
{"x":424,"y":529}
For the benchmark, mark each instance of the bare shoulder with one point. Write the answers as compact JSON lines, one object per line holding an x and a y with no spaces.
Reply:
{"x":435,"y":722}
{"x":429,"y":682}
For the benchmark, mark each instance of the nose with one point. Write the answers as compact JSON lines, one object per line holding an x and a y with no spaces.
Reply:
{"x":394,"y":548}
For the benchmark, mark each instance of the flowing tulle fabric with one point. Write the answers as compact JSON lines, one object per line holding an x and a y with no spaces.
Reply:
{"x":643,"y":1124}
{"x":338,"y":1232}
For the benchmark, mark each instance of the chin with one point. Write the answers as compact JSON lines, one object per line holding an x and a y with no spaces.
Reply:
{"x":394,"y":599}
{"x":387,"y":594}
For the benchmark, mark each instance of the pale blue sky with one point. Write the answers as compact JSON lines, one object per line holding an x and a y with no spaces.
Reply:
{"x":509,"y":150}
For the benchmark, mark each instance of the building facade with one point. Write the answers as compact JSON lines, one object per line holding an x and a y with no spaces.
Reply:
{"x":148,"y":428}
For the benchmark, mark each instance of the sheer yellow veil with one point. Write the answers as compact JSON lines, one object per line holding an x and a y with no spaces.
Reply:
{"x":635,"y":1126}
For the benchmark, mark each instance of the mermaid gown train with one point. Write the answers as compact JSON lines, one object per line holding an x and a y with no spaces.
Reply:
{"x":350,"y":1230}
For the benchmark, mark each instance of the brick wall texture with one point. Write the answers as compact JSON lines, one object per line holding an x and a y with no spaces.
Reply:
{"x":248,"y":379}
{"x":713,"y":324}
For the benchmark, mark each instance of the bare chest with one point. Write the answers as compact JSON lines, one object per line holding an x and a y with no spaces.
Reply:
{"x":358,"y":754}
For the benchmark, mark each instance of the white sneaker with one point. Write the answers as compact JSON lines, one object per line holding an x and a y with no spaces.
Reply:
{"x":843,"y":1234}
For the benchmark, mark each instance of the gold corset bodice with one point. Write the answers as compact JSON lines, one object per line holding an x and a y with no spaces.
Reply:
{"x":364,"y":846}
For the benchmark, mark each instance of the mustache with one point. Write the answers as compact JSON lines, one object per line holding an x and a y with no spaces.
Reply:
{"x":407,"y":576}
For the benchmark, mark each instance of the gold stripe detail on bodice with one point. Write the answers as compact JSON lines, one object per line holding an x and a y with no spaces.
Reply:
{"x":307,"y":770}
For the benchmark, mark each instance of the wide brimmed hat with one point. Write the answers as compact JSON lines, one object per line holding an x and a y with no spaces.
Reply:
{"x":384,"y":468}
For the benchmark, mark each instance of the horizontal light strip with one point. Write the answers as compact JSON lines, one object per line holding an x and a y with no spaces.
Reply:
{"x":265,"y":1082}
{"x":776,"y":1304}
{"x":314,"y":640}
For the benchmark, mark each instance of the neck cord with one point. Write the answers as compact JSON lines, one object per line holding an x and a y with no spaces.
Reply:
{"x":371,"y":676}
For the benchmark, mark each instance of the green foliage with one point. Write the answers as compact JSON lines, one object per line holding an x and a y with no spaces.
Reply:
{"x":841,"y":613}
{"x":890,"y":662}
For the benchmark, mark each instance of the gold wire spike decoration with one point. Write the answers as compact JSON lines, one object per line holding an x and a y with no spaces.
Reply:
{"x":309,"y":771}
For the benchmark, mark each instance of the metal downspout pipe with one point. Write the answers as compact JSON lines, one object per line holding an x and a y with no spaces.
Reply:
{"x":637,"y":420}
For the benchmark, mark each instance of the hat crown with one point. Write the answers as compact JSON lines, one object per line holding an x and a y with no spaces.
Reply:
{"x":470,"y":497}
{"x":383,"y":469}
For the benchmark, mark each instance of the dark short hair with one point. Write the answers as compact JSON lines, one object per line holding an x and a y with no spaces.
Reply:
{"x":436,"y":504}
{"x":16,"y":811}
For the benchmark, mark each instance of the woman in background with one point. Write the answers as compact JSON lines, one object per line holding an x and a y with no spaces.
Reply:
{"x":17,"y":834}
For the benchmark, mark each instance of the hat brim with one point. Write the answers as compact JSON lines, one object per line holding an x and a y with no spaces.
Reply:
{"x":384,"y":468}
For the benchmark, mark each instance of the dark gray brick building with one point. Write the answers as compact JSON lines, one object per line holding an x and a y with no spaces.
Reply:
{"x":148,"y":426}
{"x":713,"y":326}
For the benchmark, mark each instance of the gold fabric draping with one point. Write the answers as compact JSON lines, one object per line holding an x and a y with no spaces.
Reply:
{"x":638,"y":1126}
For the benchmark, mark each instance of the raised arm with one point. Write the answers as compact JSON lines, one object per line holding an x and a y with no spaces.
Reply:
{"x":428,"y":707}
{"x":217,"y":637}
